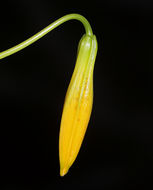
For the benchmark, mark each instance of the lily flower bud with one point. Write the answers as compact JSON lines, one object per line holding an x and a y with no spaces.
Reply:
{"x":78,"y":104}
{"x":79,"y":97}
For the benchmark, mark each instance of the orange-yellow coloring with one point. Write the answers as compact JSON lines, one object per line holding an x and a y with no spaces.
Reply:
{"x":78,"y":104}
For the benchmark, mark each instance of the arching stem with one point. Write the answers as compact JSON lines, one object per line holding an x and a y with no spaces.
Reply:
{"x":46,"y":30}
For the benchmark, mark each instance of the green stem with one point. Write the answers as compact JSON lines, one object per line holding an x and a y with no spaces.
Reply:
{"x":46,"y":30}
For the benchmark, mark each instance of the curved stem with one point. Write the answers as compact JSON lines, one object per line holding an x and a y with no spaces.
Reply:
{"x":46,"y":30}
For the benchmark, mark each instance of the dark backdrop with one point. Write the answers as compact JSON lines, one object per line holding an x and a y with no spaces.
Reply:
{"x":117,"y":151}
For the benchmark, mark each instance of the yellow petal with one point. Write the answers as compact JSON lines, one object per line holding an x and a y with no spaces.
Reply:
{"x":78,"y":104}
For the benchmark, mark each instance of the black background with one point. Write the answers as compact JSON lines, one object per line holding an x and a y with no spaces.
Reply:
{"x":117,"y":151}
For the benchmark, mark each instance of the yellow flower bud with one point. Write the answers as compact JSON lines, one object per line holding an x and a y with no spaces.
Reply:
{"x":79,"y":97}
{"x":78,"y":104}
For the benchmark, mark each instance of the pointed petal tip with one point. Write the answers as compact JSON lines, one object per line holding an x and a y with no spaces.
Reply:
{"x":63,"y":172}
